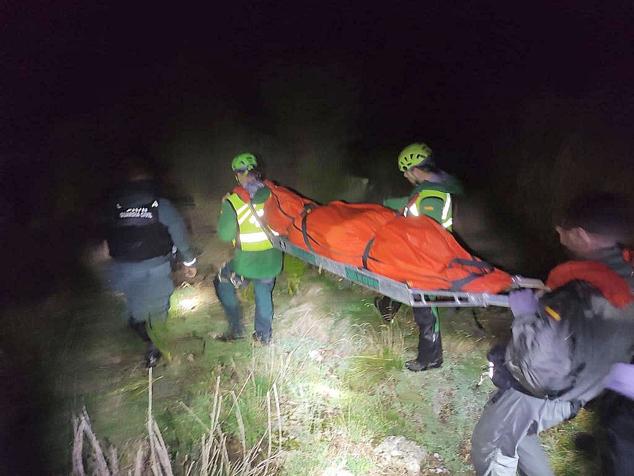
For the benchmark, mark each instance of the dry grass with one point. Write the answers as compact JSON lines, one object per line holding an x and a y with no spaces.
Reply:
{"x":367,"y":340}
{"x":213,"y":455}
{"x":460,"y":345}
{"x":374,"y":353}
{"x":95,"y":459}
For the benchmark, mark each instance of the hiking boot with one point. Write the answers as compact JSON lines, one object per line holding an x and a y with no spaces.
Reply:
{"x":416,"y":366}
{"x":229,"y":337}
{"x":386,"y":307}
{"x":259,"y":340}
{"x":152,"y":357}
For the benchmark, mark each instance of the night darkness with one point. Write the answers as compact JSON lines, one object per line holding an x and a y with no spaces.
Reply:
{"x":501,"y":92}
{"x":529,"y":104}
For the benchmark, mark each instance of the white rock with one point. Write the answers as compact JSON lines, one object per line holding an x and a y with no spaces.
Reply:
{"x":398,"y":454}
{"x":316,"y":355}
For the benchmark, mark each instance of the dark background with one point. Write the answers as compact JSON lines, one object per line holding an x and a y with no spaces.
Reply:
{"x":528,"y":104}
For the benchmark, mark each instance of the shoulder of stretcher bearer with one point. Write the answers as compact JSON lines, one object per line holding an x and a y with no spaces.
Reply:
{"x":432,"y":192}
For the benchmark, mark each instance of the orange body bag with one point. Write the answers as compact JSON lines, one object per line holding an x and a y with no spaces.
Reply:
{"x":414,"y":250}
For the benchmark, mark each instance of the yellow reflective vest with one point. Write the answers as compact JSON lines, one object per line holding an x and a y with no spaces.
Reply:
{"x":445,"y":217}
{"x":251,"y":236}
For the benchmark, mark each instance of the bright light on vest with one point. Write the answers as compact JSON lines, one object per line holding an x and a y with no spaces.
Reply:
{"x":251,"y":236}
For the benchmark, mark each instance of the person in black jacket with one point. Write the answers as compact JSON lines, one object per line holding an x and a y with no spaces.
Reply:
{"x":563,"y":344}
{"x":142,"y":230}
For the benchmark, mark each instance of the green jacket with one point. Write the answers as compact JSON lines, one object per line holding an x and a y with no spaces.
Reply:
{"x":250,"y":264}
{"x":433,"y":199}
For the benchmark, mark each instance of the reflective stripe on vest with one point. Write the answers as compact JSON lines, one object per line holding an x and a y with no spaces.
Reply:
{"x":446,"y":218}
{"x":251,"y":237}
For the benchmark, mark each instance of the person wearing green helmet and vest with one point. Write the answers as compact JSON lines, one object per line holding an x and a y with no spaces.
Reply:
{"x":433,"y":197}
{"x":255,"y":259}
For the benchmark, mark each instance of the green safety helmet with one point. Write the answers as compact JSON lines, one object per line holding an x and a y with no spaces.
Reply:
{"x":413,"y":155}
{"x":244,"y":162}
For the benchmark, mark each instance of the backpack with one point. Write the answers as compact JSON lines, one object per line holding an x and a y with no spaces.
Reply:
{"x":569,"y":341}
{"x":545,"y":354}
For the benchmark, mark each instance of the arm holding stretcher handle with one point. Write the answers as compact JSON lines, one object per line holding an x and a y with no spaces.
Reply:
{"x":519,"y":282}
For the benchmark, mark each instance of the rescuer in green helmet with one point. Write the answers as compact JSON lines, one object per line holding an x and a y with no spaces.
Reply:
{"x":432,"y":196}
{"x":255,"y":259}
{"x":244,"y":162}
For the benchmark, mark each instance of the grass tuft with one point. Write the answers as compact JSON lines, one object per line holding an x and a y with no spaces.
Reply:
{"x":377,"y":352}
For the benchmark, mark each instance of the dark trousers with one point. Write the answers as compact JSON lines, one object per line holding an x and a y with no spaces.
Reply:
{"x":616,"y":415}
{"x":147,"y":286}
{"x":140,"y":328}
{"x":226,"y":284}
{"x":429,"y":338}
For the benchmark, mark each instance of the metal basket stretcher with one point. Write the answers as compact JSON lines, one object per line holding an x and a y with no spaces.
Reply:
{"x":399,"y":291}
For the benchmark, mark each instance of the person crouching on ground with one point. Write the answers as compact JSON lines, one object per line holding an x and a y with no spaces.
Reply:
{"x":563,"y":344}
{"x":255,"y":259}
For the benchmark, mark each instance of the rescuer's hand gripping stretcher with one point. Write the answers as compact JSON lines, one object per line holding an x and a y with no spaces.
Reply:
{"x":413,"y":261}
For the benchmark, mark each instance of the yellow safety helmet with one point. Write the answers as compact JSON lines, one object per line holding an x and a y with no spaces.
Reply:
{"x":413,"y":155}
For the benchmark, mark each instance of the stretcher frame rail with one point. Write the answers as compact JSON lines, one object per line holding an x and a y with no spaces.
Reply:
{"x":399,"y":291}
